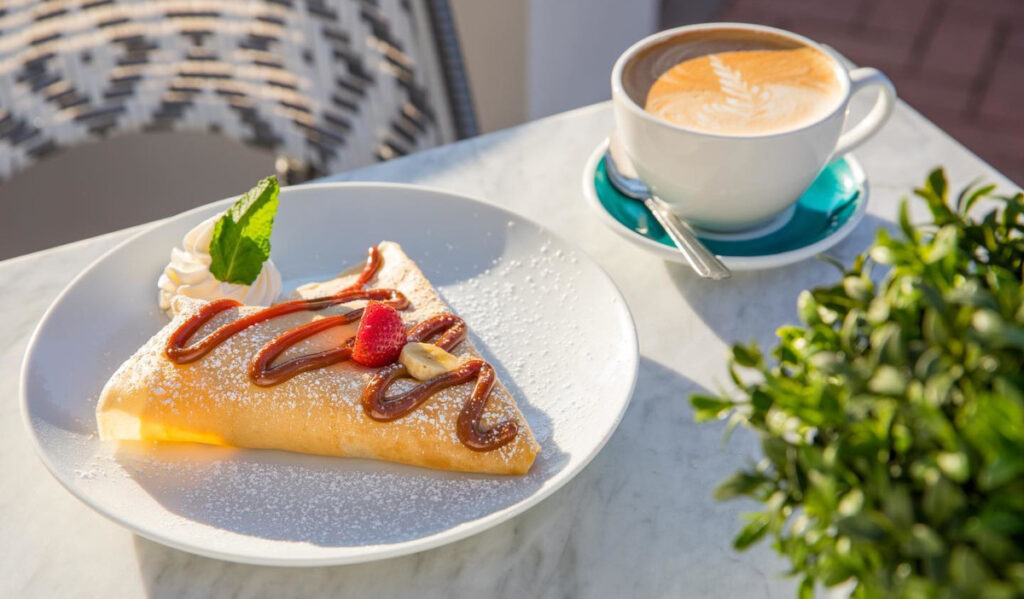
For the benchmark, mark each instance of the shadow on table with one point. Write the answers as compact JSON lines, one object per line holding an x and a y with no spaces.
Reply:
{"x":638,"y":521}
{"x":753,"y":304}
{"x":272,"y":496}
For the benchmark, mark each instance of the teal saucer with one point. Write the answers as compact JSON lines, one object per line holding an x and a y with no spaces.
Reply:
{"x":826,"y":213}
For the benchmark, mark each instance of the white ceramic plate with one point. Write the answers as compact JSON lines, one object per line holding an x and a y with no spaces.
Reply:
{"x":550,"y":319}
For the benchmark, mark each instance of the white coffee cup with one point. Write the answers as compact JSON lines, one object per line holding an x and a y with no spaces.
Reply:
{"x":735,"y":182}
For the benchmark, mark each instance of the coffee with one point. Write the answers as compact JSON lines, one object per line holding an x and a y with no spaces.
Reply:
{"x":752,"y":115}
{"x":743,"y":83}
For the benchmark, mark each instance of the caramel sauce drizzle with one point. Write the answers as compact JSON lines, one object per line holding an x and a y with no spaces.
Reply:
{"x":449,"y":329}
{"x":179,"y":353}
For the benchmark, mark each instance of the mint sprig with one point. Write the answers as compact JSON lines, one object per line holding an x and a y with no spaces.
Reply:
{"x":241,"y":238}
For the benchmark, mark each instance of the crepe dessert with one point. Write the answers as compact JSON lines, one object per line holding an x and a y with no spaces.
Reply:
{"x":371,"y":364}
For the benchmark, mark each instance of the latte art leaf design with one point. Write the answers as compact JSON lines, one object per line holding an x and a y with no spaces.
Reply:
{"x":746,"y":90}
{"x":742,"y":100}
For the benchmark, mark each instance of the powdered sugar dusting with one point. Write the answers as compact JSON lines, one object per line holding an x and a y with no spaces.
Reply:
{"x":215,"y":394}
{"x":305,"y":499}
{"x":541,"y":285}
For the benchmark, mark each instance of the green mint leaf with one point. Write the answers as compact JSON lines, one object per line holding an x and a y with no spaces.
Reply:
{"x":241,"y":238}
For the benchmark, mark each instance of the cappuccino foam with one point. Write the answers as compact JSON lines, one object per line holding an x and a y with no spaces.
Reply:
{"x":758,"y":86}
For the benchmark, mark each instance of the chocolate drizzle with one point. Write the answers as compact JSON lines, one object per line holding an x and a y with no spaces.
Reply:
{"x":449,"y":329}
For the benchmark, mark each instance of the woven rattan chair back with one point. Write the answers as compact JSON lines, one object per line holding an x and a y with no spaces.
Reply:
{"x":326,"y":85}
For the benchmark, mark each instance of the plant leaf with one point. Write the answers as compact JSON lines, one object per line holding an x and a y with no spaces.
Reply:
{"x":709,"y":407}
{"x":752,"y":532}
{"x":967,"y":201}
{"x":241,"y":238}
{"x":806,"y":590}
{"x":937,"y":183}
{"x":740,"y":483}
{"x":862,"y":527}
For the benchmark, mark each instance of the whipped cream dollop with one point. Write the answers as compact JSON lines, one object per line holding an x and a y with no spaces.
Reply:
{"x":188,"y":274}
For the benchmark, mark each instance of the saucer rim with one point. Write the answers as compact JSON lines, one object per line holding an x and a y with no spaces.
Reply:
{"x":735,"y":263}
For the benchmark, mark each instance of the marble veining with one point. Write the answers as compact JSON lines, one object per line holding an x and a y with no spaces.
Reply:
{"x":638,"y":522}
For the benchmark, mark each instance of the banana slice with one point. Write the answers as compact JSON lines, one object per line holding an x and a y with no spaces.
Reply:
{"x":426,"y":360}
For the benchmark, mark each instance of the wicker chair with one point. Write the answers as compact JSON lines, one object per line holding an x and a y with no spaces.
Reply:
{"x":326,"y":85}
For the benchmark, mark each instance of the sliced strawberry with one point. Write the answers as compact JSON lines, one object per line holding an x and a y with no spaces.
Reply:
{"x":380,"y":337}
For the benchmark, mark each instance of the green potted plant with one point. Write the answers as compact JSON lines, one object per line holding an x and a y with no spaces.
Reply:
{"x":892,"y":419}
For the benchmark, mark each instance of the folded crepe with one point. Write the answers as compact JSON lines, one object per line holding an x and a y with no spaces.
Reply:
{"x":213,"y":400}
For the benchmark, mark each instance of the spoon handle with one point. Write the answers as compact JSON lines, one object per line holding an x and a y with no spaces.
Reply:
{"x":703,"y":262}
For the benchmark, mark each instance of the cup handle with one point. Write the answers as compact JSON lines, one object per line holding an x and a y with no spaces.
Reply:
{"x":863,"y":78}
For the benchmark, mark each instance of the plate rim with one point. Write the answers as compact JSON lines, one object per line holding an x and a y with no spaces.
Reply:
{"x":735,"y":263}
{"x":347,"y":554}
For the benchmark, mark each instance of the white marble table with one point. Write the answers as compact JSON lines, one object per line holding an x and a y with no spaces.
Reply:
{"x":638,"y":522}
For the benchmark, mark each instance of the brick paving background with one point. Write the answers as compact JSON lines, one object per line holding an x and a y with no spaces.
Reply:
{"x":959,"y":62}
